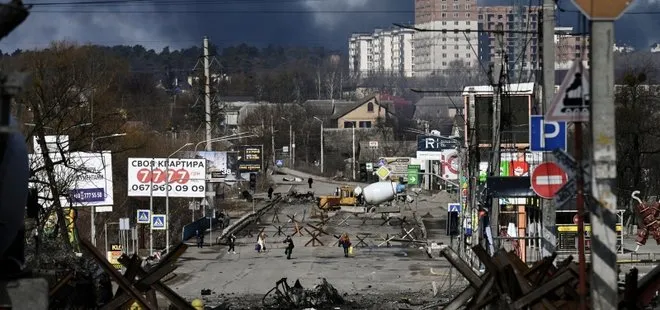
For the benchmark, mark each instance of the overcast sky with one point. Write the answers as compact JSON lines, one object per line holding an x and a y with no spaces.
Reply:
{"x":179,"y":23}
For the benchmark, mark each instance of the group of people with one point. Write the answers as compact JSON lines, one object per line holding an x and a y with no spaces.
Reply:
{"x":260,"y":246}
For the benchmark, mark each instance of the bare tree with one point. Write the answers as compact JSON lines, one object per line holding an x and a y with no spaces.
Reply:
{"x":73,"y":92}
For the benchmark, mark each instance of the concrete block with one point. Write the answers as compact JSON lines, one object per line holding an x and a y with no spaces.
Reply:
{"x":28,"y":294}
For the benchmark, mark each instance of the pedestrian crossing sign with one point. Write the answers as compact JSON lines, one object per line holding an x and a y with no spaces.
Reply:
{"x":454,"y":207}
{"x":143,"y":216}
{"x":158,"y":221}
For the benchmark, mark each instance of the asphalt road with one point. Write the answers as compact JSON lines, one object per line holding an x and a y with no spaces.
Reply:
{"x":372,"y":269}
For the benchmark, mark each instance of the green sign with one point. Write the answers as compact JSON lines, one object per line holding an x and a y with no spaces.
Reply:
{"x":413,"y":174}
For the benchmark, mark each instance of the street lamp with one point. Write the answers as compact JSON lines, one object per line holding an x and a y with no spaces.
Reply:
{"x":93,"y":208}
{"x":290,"y":142}
{"x":239,"y":135}
{"x":167,"y":197}
{"x":318,"y":119}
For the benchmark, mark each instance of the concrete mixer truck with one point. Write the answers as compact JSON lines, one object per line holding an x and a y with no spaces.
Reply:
{"x":372,"y":195}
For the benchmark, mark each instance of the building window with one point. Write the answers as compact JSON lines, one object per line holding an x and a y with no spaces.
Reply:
{"x":467,"y":7}
{"x":455,"y":55}
{"x":370,"y":107}
{"x":444,"y":23}
{"x":467,"y":55}
{"x":444,"y":47}
{"x":444,"y":7}
{"x":365,"y":124}
{"x":468,"y":16}
{"x":444,"y":55}
{"x":349,"y":124}
{"x":455,"y":47}
{"x":444,"y":63}
{"x":456,"y":7}
{"x":444,"y":15}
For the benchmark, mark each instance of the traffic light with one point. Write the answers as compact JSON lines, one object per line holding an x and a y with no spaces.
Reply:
{"x":452,"y":223}
{"x":253,"y":181}
{"x":363,"y":173}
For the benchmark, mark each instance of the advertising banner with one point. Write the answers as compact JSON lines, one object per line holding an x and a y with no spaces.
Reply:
{"x":160,"y":177}
{"x":217,"y":164}
{"x":431,"y":147}
{"x":86,"y":176}
{"x":450,"y":164}
{"x":251,"y":159}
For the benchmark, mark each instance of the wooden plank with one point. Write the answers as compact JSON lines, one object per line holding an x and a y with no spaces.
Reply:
{"x":119,"y":279}
{"x":60,"y":284}
{"x":542,"y":290}
{"x":460,"y":265}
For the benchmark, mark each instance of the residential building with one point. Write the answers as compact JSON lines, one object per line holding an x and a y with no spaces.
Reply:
{"x":569,"y":47}
{"x":623,"y":48}
{"x":364,"y":113}
{"x":435,"y":52}
{"x":655,"y":48}
{"x":387,"y":52}
{"x":521,"y":49}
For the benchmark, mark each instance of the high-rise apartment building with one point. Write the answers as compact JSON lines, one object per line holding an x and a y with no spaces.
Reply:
{"x":521,"y":48}
{"x":388,"y":52}
{"x":436,"y":51}
{"x":569,"y":47}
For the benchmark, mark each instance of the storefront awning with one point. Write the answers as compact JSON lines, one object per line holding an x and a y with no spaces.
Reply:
{"x":509,"y":187}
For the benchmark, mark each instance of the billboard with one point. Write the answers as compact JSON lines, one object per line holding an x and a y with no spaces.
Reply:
{"x":432,"y":147}
{"x":54,"y":144}
{"x":87,"y":177}
{"x":183,"y":178}
{"x":251,"y":159}
{"x":217,"y":166}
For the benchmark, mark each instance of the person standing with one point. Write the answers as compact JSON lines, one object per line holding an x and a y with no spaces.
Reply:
{"x":270,"y":193}
{"x":231,"y":241}
{"x":289,"y":247}
{"x":310,"y":181}
{"x":200,"y":238}
{"x":345,"y":242}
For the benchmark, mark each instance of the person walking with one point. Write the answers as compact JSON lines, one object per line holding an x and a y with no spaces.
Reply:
{"x":231,"y":241}
{"x":261,"y":243}
{"x":345,"y":242}
{"x":289,"y":247}
{"x":310,"y":181}
{"x":270,"y":193}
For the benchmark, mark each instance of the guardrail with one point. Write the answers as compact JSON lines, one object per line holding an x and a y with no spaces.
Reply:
{"x":247,"y":219}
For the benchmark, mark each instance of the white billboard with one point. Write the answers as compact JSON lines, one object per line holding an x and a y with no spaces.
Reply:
{"x":54,"y":144}
{"x":216,"y":164}
{"x":83,"y":179}
{"x":184,"y":178}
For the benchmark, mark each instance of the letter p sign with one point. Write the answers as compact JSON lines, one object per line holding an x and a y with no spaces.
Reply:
{"x":546,"y":136}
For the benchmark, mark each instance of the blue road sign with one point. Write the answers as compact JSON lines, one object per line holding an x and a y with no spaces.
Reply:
{"x":143,"y":216}
{"x":454,"y":207}
{"x":279,"y":163}
{"x":546,"y":136}
{"x":382,"y":162}
{"x":158,"y":221}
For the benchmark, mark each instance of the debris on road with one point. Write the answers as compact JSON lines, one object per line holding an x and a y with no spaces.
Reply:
{"x":294,"y":197}
{"x":283,"y":296}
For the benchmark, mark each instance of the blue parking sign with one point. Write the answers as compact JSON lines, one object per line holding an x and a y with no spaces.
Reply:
{"x":546,"y":136}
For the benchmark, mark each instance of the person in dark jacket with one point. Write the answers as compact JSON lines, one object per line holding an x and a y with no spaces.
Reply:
{"x":270,"y":193}
{"x":310,"y":181}
{"x":231,"y":241}
{"x":345,"y":242}
{"x":200,"y":238}
{"x":289,"y":247}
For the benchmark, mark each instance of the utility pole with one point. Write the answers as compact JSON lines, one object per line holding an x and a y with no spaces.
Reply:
{"x":603,"y":219}
{"x":548,"y":56}
{"x":207,"y":121}
{"x":353,"y":161}
{"x":272,"y":140}
{"x":473,"y":175}
{"x":498,"y":73}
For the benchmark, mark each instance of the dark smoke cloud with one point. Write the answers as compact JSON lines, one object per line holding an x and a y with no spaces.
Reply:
{"x":165,"y":27}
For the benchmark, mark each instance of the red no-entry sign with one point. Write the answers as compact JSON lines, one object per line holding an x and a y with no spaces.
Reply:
{"x":547,"y":179}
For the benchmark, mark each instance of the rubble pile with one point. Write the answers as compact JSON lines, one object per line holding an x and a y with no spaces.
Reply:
{"x":294,"y":197}
{"x":283,"y":296}
{"x":86,"y":285}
